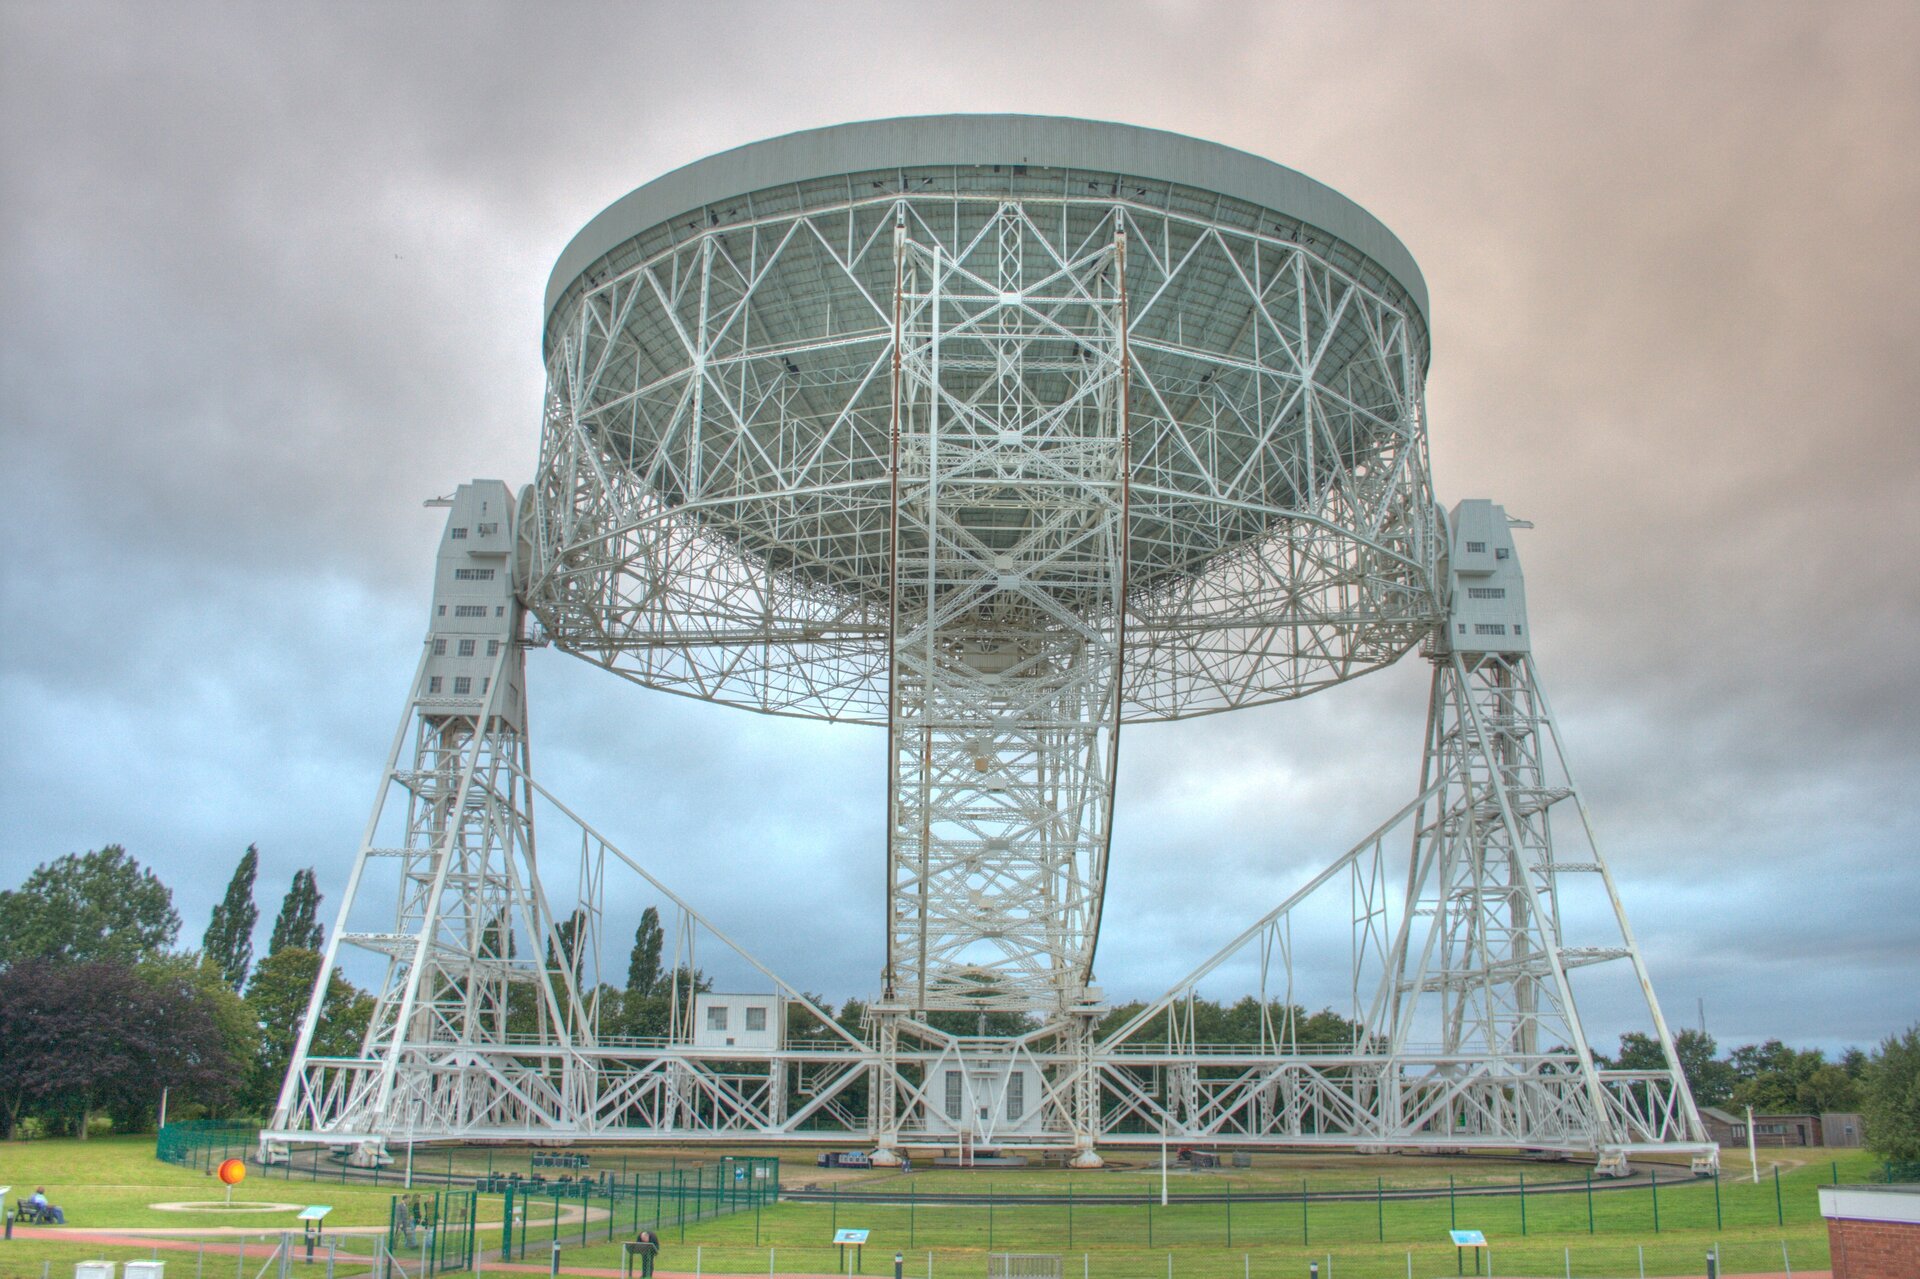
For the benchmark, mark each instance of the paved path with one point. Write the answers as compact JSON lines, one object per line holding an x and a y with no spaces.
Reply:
{"x":134,"y":1237}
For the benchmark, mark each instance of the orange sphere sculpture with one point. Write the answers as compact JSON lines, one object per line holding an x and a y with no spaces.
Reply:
{"x":231,"y":1171}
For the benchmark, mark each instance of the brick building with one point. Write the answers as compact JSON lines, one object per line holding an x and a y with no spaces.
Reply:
{"x":1873,"y":1231}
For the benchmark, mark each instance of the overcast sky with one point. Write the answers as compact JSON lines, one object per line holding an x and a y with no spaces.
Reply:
{"x":271,"y":275}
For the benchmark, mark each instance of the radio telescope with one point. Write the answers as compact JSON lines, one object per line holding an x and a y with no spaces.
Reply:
{"x":999,"y":432}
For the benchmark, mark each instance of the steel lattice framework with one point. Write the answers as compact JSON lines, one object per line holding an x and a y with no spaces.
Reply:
{"x":1000,"y":432}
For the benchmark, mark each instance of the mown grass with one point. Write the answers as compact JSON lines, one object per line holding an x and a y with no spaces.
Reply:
{"x":111,"y":1182}
{"x":1609,"y":1232}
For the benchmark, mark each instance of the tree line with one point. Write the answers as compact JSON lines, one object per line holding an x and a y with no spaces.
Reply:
{"x":99,"y":1012}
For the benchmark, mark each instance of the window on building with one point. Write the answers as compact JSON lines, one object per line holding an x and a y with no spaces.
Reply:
{"x":1500,"y":554}
{"x":716,"y":1017}
{"x":756,"y":1019}
{"x":1016,"y":1095}
{"x":433,"y":683}
{"x":953,"y":1094}
{"x":1476,"y":548}
{"x":1486,"y":592}
{"x":443,"y":610}
{"x":458,"y":535}
{"x":468,"y":610}
{"x":1489,"y":628}
{"x":440,"y":647}
{"x":486,"y":683}
{"x":473,"y":575}
{"x":488,"y":530}
{"x":500,"y":610}
{"x":466,"y":648}
{"x":462,"y":685}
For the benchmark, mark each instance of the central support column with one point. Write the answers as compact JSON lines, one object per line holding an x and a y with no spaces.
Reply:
{"x":1009,"y":552}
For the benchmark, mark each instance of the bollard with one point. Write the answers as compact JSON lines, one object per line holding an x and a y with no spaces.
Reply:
{"x":899,"y":1265}
{"x":553,"y":1267}
{"x":9,"y":1225}
{"x":1713,"y":1264}
{"x":1313,"y":1270}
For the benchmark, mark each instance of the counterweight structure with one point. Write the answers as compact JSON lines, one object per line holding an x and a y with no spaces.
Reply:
{"x":1001,"y":433}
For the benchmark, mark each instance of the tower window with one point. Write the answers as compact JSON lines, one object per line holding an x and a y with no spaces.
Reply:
{"x":756,"y":1019}
{"x":462,"y":685}
{"x":458,"y":535}
{"x":440,"y":647}
{"x":716,"y":1017}
{"x":433,"y":683}
{"x":1016,"y":1094}
{"x":473,"y":575}
{"x":1476,"y":548}
{"x":466,"y":648}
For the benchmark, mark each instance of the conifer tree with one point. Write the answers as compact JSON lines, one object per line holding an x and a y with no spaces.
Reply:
{"x":228,"y":944}
{"x":298,"y":923}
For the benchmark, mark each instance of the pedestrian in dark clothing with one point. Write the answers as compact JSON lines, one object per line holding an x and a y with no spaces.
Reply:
{"x":649,"y":1248}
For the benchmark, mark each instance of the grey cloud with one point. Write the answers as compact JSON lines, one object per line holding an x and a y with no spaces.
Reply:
{"x":272,"y":276}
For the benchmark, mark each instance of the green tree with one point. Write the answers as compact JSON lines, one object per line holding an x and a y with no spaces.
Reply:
{"x":643,"y":965}
{"x":1828,"y":1089}
{"x":298,"y":923}
{"x":228,"y":944}
{"x":1769,"y":1075}
{"x":277,"y":998}
{"x":1710,"y":1080}
{"x":195,"y":978}
{"x":88,"y":906}
{"x":1891,"y":1106}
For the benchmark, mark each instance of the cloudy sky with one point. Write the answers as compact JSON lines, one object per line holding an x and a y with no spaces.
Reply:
{"x":272,"y":275}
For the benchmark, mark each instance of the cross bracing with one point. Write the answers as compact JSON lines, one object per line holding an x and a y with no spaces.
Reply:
{"x":1003,"y":461}
{"x":713,"y":511}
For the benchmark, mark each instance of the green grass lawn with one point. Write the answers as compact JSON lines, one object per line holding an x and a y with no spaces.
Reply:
{"x":1365,"y":1237}
{"x":112,"y":1182}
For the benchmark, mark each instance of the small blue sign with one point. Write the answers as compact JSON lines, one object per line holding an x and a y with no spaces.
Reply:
{"x":1468,"y":1238}
{"x":850,"y":1236}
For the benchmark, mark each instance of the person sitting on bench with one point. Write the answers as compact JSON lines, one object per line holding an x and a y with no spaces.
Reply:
{"x":44,"y":1211}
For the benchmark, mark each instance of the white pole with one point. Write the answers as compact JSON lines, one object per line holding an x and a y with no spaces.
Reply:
{"x":163,"y":1106}
{"x":1753,"y":1157}
{"x":1784,"y":1259}
{"x":1163,"y":1173}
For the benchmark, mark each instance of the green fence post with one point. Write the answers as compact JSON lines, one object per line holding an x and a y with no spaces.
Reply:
{"x":1779,"y":1209}
{"x":836,"y":1207}
{"x":1523,"y":1206}
{"x":1070,"y":1218}
{"x":1836,"y":1172}
{"x":1306,"y":1198}
{"x":506,"y":1211}
{"x":1229,"y":1218}
{"x":1452,"y":1220}
{"x":656,"y":1199}
{"x":1380,"y":1206}
{"x":1589,"y":1201}
{"x":1149,"y":1223}
{"x":1718,"y":1224}
{"x":913,"y":1202}
{"x":1654,"y":1180}
{"x":989,"y":1216}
